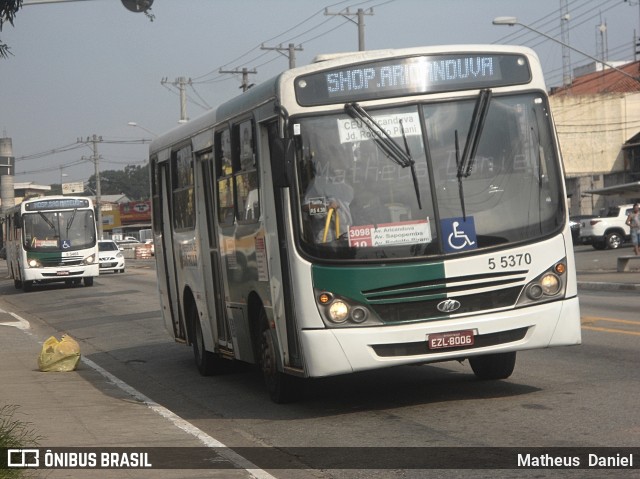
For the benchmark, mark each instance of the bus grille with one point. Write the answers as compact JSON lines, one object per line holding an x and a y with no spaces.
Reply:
{"x":419,"y":301}
{"x":57,"y":262}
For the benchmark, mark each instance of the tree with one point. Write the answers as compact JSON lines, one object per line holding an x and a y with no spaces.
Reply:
{"x":133,"y":182}
{"x":8,"y":10}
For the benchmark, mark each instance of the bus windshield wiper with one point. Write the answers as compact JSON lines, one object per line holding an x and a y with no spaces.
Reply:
{"x":70,"y":222}
{"x":466,"y":162}
{"x":386,"y":142}
{"x":48,"y":221}
{"x":412,"y":166}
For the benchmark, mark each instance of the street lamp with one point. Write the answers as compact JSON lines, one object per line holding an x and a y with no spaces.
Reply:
{"x":511,"y":21}
{"x":134,"y":124}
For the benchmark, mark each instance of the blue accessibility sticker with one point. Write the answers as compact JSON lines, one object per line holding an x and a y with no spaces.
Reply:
{"x":459,"y":234}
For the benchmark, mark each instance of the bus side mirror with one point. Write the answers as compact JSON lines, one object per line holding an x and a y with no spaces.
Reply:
{"x":17,"y":220}
{"x":282,"y":162}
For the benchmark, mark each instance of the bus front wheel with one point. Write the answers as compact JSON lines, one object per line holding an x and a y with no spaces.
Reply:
{"x":493,"y":366}
{"x":88,"y":280}
{"x":282,"y":387}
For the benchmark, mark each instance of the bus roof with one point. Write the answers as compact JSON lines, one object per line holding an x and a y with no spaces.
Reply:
{"x":269,"y":89}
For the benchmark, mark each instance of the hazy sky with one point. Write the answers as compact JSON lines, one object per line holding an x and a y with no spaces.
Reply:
{"x":90,"y":67}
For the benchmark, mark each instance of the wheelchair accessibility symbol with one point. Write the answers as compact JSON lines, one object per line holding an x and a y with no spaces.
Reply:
{"x":459,"y":234}
{"x":66,"y":244}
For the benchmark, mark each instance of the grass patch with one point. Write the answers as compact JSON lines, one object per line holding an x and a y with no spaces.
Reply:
{"x":14,"y":433}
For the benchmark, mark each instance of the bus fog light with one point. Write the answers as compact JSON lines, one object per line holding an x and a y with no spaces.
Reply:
{"x":534,"y":291}
{"x":338,"y":311}
{"x":550,"y":284}
{"x":358,"y":314}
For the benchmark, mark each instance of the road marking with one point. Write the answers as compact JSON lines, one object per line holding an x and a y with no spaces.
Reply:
{"x":186,"y":426}
{"x":611,"y":320}
{"x":21,"y":323}
{"x":608,"y":330}
{"x":588,"y":321}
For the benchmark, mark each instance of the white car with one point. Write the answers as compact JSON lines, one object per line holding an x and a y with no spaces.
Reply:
{"x":151,"y":246}
{"x":110,"y":257}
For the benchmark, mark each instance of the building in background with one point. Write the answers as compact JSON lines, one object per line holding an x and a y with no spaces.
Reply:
{"x":598,"y":122}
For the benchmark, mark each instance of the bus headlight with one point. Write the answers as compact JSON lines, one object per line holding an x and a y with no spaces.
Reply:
{"x":344,"y":312}
{"x":549,"y":286}
{"x":34,"y":263}
{"x":338,"y":311}
{"x":89,"y":259}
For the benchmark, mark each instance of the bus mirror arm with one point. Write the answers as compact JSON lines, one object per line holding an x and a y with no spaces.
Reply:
{"x":282,"y":160}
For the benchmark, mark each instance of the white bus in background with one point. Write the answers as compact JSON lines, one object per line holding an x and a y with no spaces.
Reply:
{"x":51,"y":239}
{"x":375,"y":209}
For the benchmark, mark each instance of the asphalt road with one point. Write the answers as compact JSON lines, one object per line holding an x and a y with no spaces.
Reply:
{"x":580,"y":396}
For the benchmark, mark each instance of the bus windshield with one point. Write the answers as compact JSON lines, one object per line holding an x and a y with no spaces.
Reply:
{"x":59,"y":230}
{"x":358,"y":202}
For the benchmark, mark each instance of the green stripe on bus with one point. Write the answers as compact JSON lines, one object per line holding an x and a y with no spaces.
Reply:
{"x":352,"y":281}
{"x":52,"y":256}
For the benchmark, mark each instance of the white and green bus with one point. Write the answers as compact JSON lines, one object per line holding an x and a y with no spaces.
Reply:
{"x":51,"y":239}
{"x":369,"y":210}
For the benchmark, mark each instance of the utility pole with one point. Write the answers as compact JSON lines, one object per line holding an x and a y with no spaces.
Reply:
{"x":564,"y":34}
{"x":7,"y":172}
{"x":360,"y":15}
{"x":180,"y":83}
{"x":602,"y":42}
{"x":291,"y":49}
{"x":245,"y":76}
{"x":94,"y":140}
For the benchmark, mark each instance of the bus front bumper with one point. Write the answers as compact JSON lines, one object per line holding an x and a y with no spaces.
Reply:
{"x":59,"y":274}
{"x":336,"y":351}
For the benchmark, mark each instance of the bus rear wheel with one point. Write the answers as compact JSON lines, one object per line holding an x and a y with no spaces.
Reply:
{"x":493,"y":366}
{"x":282,"y":388}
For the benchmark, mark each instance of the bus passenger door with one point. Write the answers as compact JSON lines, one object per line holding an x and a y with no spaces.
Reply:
{"x":214,"y":276}
{"x":221,"y":218}
{"x":166,"y":219}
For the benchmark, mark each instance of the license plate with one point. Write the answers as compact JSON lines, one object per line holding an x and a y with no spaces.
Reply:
{"x":62,"y":273}
{"x":452,"y":339}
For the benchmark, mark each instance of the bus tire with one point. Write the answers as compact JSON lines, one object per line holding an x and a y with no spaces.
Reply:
{"x":27,"y":286}
{"x":206,"y":362}
{"x":282,"y":388}
{"x":493,"y":366}
{"x":88,"y":280}
{"x":17,"y":284}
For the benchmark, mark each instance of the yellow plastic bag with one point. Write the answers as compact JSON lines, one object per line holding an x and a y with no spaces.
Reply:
{"x":60,"y":355}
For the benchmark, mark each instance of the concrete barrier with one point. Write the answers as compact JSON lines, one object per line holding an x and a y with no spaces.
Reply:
{"x":623,"y":262}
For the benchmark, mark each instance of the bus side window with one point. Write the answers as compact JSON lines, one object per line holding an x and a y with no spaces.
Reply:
{"x":224,"y":175}
{"x":246,"y":179}
{"x":183,"y":189}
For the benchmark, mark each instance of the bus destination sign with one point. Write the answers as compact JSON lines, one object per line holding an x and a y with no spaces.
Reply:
{"x":410,"y":76}
{"x":55,"y":204}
